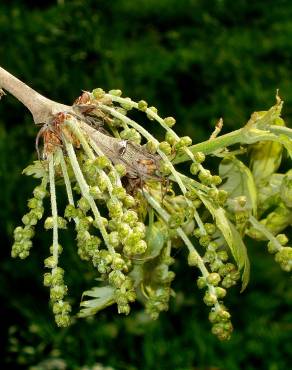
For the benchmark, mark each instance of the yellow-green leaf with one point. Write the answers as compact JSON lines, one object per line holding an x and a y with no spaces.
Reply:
{"x":238,"y":181}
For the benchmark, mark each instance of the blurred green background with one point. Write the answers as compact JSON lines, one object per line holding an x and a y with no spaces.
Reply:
{"x":195,"y":60}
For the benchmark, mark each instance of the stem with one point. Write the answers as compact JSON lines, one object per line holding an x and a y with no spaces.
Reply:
{"x":261,"y":228}
{"x":66,"y":178}
{"x":85,"y":192}
{"x":54,"y":210}
{"x":41,"y":108}
{"x":235,"y":137}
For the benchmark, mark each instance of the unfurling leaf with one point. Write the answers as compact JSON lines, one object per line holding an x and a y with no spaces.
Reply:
{"x":103,"y":297}
{"x":238,"y":182}
{"x":37,"y":170}
{"x":155,"y":237}
{"x":232,"y":238}
{"x":265,"y":158}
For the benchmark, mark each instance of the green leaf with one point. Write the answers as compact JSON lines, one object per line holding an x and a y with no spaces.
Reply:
{"x":155,"y":238}
{"x":104,"y":296}
{"x":37,"y":170}
{"x":241,"y":256}
{"x":231,"y":236}
{"x":265,"y":159}
{"x":262,"y":120}
{"x":238,"y":181}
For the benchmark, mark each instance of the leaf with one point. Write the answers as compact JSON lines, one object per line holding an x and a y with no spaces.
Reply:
{"x":231,"y":236}
{"x":264,"y":119}
{"x":155,"y":238}
{"x":239,"y":181}
{"x":37,"y":170}
{"x":265,"y":159}
{"x":104,"y":296}
{"x":241,"y":256}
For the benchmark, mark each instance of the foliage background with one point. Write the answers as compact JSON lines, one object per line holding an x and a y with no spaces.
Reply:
{"x":197,"y":60}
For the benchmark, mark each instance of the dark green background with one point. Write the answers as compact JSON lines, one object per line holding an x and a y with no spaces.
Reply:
{"x":195,"y":60}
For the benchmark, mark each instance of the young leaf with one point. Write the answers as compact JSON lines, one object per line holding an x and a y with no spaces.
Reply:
{"x":37,"y":170}
{"x":238,"y":181}
{"x":265,"y":158}
{"x":241,"y":256}
{"x":155,"y":238}
{"x":231,"y":236}
{"x":104,"y":296}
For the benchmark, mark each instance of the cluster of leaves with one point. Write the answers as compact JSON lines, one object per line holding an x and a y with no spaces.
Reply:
{"x":135,"y":206}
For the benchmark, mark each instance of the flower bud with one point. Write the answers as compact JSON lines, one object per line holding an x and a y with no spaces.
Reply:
{"x":165,"y":147}
{"x":201,"y":282}
{"x":49,"y":223}
{"x":213,"y":278}
{"x":193,"y":258}
{"x":115,"y":92}
{"x":50,"y":262}
{"x":199,"y":157}
{"x":154,"y":110}
{"x":98,"y":93}
{"x":169,"y":121}
{"x":209,"y":299}
{"x":142,"y":105}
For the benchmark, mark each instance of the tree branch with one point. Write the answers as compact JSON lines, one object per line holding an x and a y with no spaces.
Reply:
{"x":41,"y":108}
